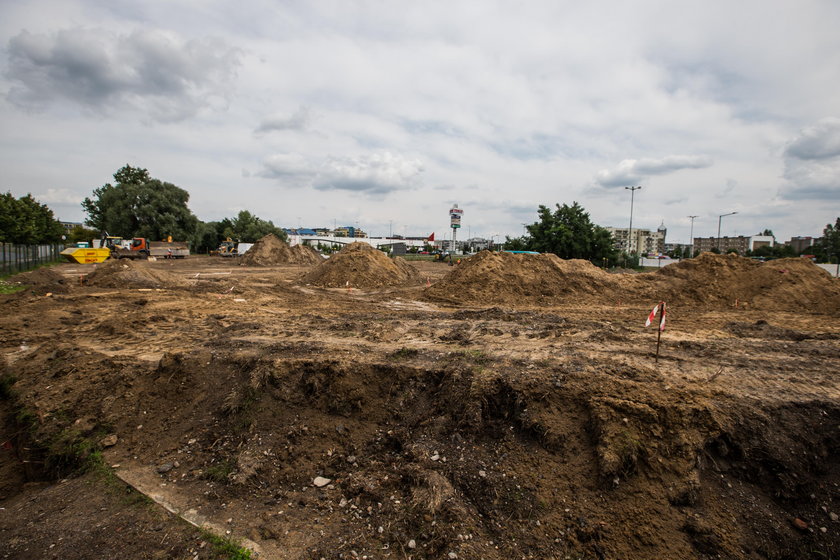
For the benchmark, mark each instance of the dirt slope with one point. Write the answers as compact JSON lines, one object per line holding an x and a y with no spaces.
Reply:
{"x":359,"y":265}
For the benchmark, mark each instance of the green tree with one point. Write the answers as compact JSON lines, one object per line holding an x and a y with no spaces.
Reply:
{"x":568,"y":233}
{"x":80,"y":233}
{"x":27,"y":221}
{"x":827,"y":248}
{"x":248,"y":228}
{"x":137,"y":205}
{"x":207,"y":237}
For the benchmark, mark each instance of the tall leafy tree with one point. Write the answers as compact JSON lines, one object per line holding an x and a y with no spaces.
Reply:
{"x":137,"y":205}
{"x":248,"y":228}
{"x":828,"y":247}
{"x":567,"y":232}
{"x":25,"y":220}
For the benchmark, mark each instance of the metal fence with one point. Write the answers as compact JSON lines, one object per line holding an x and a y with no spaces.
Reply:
{"x":18,"y":258}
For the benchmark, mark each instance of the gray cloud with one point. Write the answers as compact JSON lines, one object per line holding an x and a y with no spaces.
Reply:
{"x":820,"y":141}
{"x":156,"y":73}
{"x":631,"y":171}
{"x":299,"y":120}
{"x":812,"y":163}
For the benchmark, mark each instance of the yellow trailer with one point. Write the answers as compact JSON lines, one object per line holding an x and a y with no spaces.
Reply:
{"x":84,"y":255}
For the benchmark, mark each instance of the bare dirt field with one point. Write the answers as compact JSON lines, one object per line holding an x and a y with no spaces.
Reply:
{"x":508,"y":407}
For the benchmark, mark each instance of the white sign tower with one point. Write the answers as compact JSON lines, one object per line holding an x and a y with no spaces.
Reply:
{"x":455,"y":215}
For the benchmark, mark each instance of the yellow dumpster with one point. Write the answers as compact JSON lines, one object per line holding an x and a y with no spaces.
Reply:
{"x":82,"y":255}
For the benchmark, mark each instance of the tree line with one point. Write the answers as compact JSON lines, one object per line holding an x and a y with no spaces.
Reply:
{"x":138,"y":205}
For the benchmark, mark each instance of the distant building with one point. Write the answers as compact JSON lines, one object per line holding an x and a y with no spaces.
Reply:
{"x":349,"y":231}
{"x":801,"y":244}
{"x":757,"y":241}
{"x":740,"y":244}
{"x":68,"y":226}
{"x":643,"y":241}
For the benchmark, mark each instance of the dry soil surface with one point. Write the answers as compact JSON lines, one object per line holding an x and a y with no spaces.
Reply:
{"x":405,"y":421}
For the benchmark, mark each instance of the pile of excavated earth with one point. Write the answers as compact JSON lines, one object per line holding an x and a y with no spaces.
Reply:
{"x":270,"y":250}
{"x":359,"y":265}
{"x":124,"y":273}
{"x":708,"y":280}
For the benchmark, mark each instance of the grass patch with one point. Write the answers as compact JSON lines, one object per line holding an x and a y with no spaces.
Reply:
{"x":219,"y":472}
{"x":6,"y":391}
{"x":6,"y":288}
{"x":224,"y":547}
{"x":404,"y":353}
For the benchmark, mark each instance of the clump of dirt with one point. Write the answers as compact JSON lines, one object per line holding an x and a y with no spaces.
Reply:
{"x":783,"y":284}
{"x":132,"y":274}
{"x":304,"y":254}
{"x":41,"y":281}
{"x":271,"y":250}
{"x":508,"y":278}
{"x":361,"y":266}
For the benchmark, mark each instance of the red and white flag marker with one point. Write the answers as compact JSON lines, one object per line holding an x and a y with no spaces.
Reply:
{"x":658,"y":308}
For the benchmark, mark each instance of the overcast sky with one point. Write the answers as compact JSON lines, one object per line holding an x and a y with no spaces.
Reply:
{"x":384,"y":114}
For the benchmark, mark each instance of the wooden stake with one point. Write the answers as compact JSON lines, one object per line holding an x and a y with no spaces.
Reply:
{"x":658,"y":338}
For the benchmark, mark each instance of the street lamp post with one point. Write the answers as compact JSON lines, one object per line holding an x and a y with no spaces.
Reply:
{"x":630,"y":232}
{"x":719,"y":219}
{"x":691,"y":234}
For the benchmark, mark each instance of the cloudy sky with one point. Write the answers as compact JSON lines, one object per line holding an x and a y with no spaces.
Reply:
{"x":384,"y":114}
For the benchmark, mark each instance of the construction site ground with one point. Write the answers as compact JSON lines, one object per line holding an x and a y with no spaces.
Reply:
{"x":304,"y":422}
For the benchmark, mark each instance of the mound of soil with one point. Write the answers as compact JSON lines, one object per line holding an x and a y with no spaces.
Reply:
{"x":41,"y":281}
{"x":783,"y":284}
{"x":508,"y":278}
{"x":270,"y":250}
{"x":304,"y":254}
{"x":132,"y":274}
{"x":361,"y":266}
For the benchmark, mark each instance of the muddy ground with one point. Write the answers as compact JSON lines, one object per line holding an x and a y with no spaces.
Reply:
{"x":308,"y":422}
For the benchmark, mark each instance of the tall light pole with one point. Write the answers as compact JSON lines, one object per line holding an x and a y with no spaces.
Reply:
{"x":630,"y":233}
{"x":691,"y":235}
{"x":719,"y":219}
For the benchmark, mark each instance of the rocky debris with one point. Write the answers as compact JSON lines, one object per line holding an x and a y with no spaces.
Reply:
{"x":109,"y":440}
{"x":359,"y":265}
{"x":165,"y":468}
{"x":320,"y":481}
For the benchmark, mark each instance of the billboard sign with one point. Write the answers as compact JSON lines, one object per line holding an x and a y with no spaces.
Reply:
{"x":455,"y":217}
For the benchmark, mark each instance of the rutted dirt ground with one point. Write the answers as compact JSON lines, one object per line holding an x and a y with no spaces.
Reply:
{"x":498,"y":428}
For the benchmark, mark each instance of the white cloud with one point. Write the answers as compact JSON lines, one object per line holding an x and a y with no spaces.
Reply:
{"x":59,"y":196}
{"x":374,"y":174}
{"x":631,"y":171}
{"x":299,"y":120}
{"x":377,"y":173}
